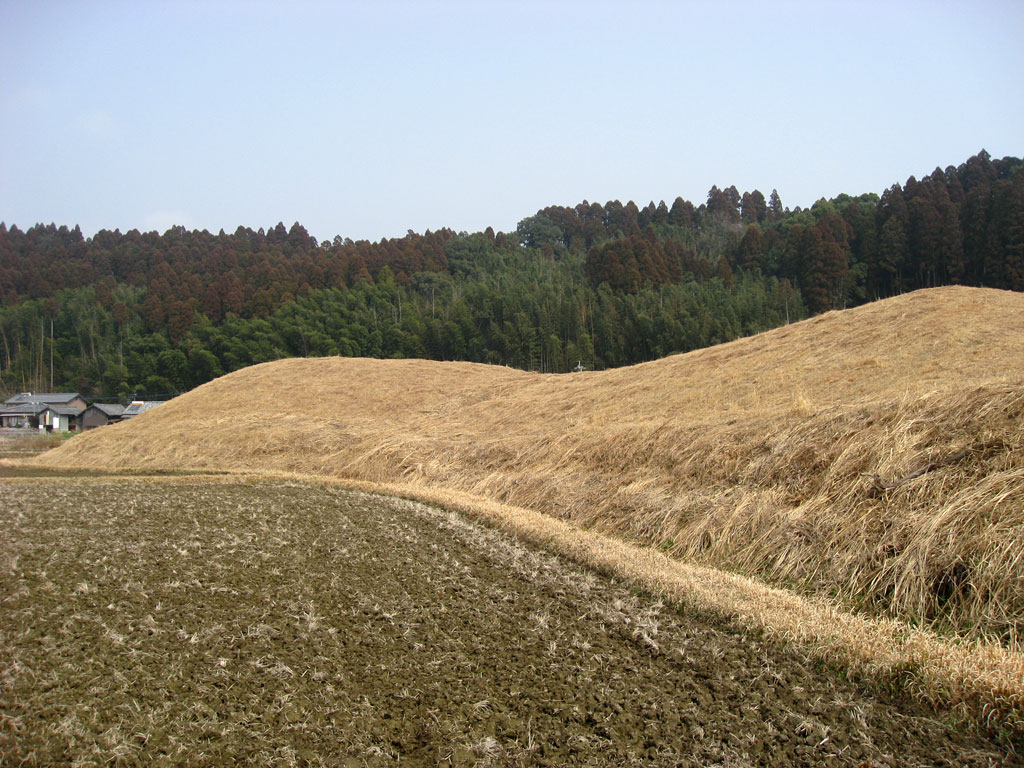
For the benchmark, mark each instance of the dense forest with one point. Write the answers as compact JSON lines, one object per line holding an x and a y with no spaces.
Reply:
{"x":149,"y":314}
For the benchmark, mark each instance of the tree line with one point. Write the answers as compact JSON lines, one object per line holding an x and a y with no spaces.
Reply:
{"x":597,"y":285}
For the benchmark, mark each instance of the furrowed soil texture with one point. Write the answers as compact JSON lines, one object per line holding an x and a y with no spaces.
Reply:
{"x":150,"y":622}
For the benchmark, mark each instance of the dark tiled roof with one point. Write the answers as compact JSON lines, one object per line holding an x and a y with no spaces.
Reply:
{"x":49,"y":398}
{"x":63,"y":410}
{"x":109,"y":409}
{"x":22,"y":408}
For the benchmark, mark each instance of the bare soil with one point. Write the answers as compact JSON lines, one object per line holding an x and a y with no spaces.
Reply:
{"x":187,"y":621}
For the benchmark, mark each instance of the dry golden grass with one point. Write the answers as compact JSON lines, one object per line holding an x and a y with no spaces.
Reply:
{"x":768,"y":456}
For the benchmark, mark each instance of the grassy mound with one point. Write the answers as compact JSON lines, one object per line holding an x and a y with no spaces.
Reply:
{"x":875,"y":454}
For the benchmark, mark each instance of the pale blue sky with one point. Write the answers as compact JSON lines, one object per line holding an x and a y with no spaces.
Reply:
{"x":369,"y":119}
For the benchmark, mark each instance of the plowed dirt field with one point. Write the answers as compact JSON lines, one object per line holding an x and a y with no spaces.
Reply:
{"x":204,"y":622}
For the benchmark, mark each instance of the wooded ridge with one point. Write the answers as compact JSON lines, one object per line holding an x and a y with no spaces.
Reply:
{"x":593,"y":285}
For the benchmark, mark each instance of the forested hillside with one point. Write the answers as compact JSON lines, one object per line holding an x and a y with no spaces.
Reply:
{"x":602,"y":285}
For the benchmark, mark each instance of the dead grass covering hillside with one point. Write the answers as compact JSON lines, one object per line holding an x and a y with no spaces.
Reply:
{"x":874,"y":454}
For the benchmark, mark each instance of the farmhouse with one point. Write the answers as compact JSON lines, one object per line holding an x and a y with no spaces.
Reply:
{"x":24,"y":416}
{"x":59,"y":418}
{"x":65,"y":412}
{"x":52,"y":411}
{"x":101,"y":414}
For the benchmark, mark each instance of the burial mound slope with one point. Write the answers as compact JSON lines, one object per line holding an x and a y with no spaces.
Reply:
{"x":875,"y":455}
